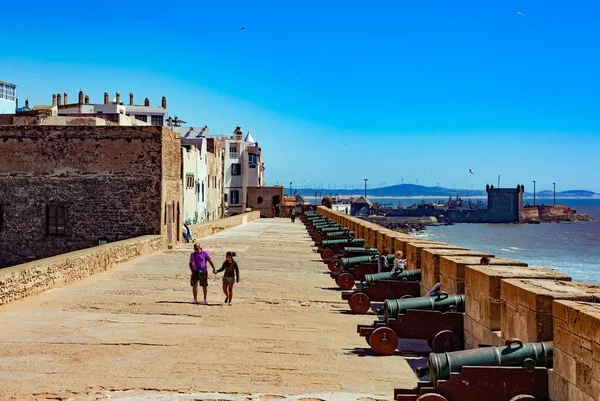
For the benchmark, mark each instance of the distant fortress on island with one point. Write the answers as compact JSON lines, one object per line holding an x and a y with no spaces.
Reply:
{"x":504,"y":205}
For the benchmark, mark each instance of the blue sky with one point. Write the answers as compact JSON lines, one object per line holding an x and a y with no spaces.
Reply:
{"x":337,"y":91}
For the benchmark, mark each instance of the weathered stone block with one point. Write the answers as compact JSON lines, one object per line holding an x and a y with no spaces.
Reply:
{"x":430,"y":262}
{"x":533,"y":298}
{"x":413,"y":248}
{"x":558,"y":386}
{"x":565,"y":365}
{"x":454,"y":266}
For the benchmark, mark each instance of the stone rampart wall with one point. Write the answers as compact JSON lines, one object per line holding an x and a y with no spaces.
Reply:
{"x":507,"y":299}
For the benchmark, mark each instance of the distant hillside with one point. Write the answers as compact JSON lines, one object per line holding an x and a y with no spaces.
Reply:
{"x":420,"y":190}
{"x":567,"y":194}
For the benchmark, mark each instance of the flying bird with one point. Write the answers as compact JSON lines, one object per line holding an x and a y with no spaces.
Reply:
{"x":520,"y":14}
{"x":242,"y":28}
{"x":471,"y":171}
{"x":347,"y":143}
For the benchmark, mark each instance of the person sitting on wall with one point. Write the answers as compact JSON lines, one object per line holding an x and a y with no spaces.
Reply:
{"x":382,"y":262}
{"x":399,"y":263}
{"x":187,"y":232}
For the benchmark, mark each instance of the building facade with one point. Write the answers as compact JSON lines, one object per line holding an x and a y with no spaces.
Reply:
{"x":130,"y":114}
{"x":69,"y":187}
{"x":8,"y":97}
{"x":243,"y":167}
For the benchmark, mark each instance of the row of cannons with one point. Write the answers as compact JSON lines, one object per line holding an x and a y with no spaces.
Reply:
{"x":516,"y":371}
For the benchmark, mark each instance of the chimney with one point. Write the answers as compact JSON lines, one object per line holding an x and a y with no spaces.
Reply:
{"x":27,"y":103}
{"x":105,"y":97}
{"x":54,"y":99}
{"x":146,"y":102}
{"x":80,"y":100}
{"x":131,"y":98}
{"x":65,"y":99}
{"x":58,"y":101}
{"x":118,"y":98}
{"x":164,"y":102}
{"x":87,"y":99}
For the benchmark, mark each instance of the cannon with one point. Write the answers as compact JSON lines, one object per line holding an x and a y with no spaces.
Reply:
{"x":337,"y":265}
{"x":347,"y":279}
{"x":439,"y":302}
{"x":360,"y":300}
{"x":437,"y":319}
{"x":395,"y":276}
{"x":344,"y":264}
{"x":514,"y":353}
{"x":332,"y":235}
{"x":347,"y":252}
{"x":336,"y":245}
{"x":514,"y":372}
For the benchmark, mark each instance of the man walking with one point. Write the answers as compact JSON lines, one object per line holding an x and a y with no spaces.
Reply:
{"x":198,"y":260}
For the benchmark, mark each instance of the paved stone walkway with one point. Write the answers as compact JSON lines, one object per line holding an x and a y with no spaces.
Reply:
{"x":131,"y":333}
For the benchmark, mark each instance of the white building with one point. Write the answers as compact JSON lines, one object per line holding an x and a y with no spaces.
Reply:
{"x":194,"y":158}
{"x":8,"y":97}
{"x":132,"y":113}
{"x":243,"y":168}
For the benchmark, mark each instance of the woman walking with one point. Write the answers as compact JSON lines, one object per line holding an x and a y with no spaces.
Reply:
{"x":231,"y":274}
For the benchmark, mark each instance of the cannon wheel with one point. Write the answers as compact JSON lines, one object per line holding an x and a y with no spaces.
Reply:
{"x":359,"y":302}
{"x":384,"y":341}
{"x":345,"y":281}
{"x":432,"y":397}
{"x":446,"y":341}
{"x":368,"y":339}
{"x":335,"y":266}
{"x":523,"y":397}
{"x":327,"y":254}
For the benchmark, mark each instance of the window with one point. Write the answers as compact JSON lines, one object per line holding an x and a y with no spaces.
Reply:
{"x":259,"y":200}
{"x":141,"y":117}
{"x":235,"y":197}
{"x":55,"y":219}
{"x":233,"y":152}
{"x":236,"y":169}
{"x":252,"y":160}
{"x":156,"y":120}
{"x":189,"y":181}
{"x":225,"y":197}
{"x":202,"y":191}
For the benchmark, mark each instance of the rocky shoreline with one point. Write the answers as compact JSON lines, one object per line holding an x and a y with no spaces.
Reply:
{"x":404,"y":225}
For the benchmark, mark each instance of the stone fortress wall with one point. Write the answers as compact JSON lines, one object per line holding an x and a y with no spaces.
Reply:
{"x":507,"y":299}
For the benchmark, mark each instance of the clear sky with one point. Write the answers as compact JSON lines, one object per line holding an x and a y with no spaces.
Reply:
{"x":337,"y":91}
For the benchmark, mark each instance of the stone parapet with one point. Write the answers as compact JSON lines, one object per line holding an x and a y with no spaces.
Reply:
{"x":576,"y":373}
{"x":430,"y":263}
{"x":527,"y":306}
{"x":452,"y":270}
{"x":32,"y":278}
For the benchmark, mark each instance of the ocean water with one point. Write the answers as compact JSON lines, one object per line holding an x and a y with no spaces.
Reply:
{"x":570,"y":248}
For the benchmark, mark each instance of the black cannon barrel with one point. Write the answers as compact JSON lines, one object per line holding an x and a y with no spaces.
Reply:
{"x":359,"y":251}
{"x":409,"y":275}
{"x":338,"y":234}
{"x":515,"y":353}
{"x":349,"y":241}
{"x":356,"y":260}
{"x":332,"y":229}
{"x":441,"y":302}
